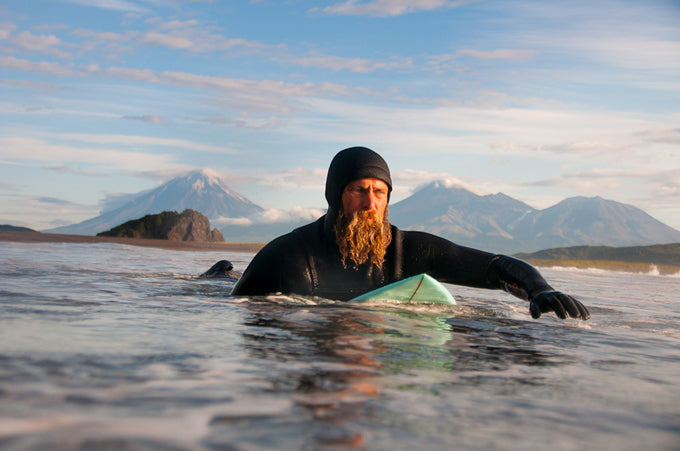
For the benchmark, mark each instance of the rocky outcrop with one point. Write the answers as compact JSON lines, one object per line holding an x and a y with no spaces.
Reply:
{"x":189,"y":225}
{"x":11,"y":228}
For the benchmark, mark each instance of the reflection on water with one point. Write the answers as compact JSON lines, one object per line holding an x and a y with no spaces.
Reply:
{"x":339,"y":364}
{"x":111,"y":347}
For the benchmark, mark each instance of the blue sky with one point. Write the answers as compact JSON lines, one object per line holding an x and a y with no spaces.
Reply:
{"x":538,"y":100}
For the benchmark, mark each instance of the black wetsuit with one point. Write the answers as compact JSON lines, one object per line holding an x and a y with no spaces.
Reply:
{"x":307,"y":261}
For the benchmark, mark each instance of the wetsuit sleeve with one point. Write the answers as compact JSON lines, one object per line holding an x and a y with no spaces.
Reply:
{"x":451,"y":263}
{"x":444,"y":260}
{"x":524,"y":281}
{"x":280,"y":267}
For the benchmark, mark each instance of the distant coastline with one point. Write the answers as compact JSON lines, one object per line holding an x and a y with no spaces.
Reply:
{"x":608,"y":265}
{"x":39,"y":237}
{"x":663,"y":259}
{"x":558,"y":257}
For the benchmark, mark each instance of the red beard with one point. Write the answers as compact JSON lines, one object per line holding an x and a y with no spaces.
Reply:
{"x":363,"y":236}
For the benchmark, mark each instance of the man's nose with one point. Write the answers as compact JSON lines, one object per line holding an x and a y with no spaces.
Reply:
{"x":370,"y":201}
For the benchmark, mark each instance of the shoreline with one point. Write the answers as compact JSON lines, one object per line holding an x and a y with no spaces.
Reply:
{"x":207,"y":246}
{"x":609,"y":265}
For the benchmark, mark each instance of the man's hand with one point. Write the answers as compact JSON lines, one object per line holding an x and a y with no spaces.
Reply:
{"x":560,"y":303}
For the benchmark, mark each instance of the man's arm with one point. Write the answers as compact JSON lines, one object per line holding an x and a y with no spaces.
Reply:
{"x":524,"y":281}
{"x":280,"y":267}
{"x":451,"y":263}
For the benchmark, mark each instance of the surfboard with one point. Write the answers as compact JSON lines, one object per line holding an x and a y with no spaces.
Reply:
{"x":420,"y":288}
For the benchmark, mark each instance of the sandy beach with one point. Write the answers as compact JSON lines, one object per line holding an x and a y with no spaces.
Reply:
{"x":39,"y":237}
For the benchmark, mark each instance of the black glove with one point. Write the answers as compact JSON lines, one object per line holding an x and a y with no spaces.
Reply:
{"x":560,"y":303}
{"x":524,"y":281}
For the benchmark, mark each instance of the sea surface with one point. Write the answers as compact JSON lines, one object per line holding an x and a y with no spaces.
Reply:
{"x":107,"y":346}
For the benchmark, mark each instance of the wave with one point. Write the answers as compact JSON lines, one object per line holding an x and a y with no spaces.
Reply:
{"x":652,"y":270}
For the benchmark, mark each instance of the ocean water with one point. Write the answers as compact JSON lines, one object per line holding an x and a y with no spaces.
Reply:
{"x":105,"y":346}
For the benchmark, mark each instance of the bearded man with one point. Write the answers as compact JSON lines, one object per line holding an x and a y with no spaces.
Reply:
{"x":353,"y":249}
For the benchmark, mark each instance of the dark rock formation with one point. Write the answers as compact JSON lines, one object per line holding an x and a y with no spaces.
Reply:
{"x":11,"y":228}
{"x":190,"y":225}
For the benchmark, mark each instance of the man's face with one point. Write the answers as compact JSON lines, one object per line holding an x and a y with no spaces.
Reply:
{"x":365,"y":195}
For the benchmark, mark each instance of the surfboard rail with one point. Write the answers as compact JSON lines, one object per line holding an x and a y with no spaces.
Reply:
{"x":420,"y":288}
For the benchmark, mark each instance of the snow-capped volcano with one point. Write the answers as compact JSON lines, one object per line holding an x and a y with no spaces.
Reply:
{"x":201,"y":190}
{"x":499,"y":223}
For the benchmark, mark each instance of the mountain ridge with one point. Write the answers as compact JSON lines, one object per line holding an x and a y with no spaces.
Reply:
{"x":201,"y":190}
{"x":493,"y":222}
{"x":500,"y":223}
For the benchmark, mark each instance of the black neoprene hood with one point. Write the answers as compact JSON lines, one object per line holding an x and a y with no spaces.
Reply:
{"x":352,"y":164}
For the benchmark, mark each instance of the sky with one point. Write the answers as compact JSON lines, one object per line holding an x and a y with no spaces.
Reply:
{"x":536,"y":99}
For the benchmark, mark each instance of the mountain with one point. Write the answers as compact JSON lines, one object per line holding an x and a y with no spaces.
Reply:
{"x":658,"y":254}
{"x":499,"y":223}
{"x":593,"y":221}
{"x":495,"y":222}
{"x":461,"y":216}
{"x":199,"y":190}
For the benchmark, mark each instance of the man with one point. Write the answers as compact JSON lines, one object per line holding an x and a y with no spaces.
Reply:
{"x":353,"y":249}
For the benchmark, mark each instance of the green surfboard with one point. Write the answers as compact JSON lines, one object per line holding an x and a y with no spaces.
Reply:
{"x":420,"y":288}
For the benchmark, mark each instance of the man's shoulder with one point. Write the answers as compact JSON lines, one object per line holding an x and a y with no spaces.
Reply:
{"x":291,"y":240}
{"x":309,"y":231}
{"x":417,"y":237}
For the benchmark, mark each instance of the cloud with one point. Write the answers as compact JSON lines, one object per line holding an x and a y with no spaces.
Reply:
{"x":586,"y":148}
{"x":45,"y":68}
{"x":499,"y":54}
{"x":104,"y":36}
{"x":113,"y":201}
{"x":6,"y":29}
{"x":167,"y":40}
{"x":357,"y":65}
{"x":136,"y":140}
{"x":39,"y":44}
{"x":613,"y":180}
{"x":456,"y":62}
{"x":387,"y":8}
{"x":250,"y":95}
{"x":638,"y":52}
{"x":36,"y":150}
{"x":273,"y":216}
{"x":298,"y":177}
{"x":193,"y":36}
{"x":629,"y":35}
{"x":219,"y":222}
{"x":66,"y":169}
{"x":246,"y":122}
{"x":670,"y":136}
{"x":106,"y":44}
{"x":35,"y":86}
{"x":655,"y":191}
{"x":295,"y":214}
{"x":5,"y":187}
{"x":39,"y":213}
{"x":114,"y":5}
{"x":147,"y":118}
{"x":177,"y":24}
{"x":53,"y":201}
